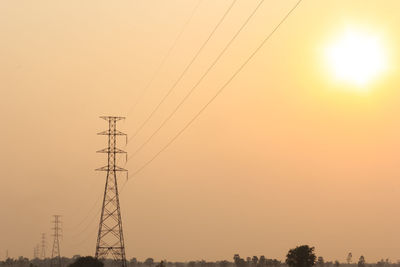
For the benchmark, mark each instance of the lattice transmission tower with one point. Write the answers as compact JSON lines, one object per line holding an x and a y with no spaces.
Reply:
{"x":43,"y":250}
{"x":55,"y":252}
{"x":110,"y":239}
{"x":35,"y":252}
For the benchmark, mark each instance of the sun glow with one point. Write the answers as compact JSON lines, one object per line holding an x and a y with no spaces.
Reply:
{"x":356,"y":58}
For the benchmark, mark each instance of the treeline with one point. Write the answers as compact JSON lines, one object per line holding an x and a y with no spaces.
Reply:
{"x":254,"y":261}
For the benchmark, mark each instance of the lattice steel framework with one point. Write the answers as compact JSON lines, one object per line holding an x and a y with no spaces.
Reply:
{"x":43,"y":248}
{"x":36,"y":252}
{"x":110,"y":239}
{"x":55,"y":253}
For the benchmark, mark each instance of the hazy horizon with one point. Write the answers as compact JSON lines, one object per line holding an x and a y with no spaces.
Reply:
{"x":286,"y":155}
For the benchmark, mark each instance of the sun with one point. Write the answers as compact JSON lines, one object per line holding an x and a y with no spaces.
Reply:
{"x":356,"y":57}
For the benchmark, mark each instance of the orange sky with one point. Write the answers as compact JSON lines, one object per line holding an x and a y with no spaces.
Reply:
{"x":285,"y":156}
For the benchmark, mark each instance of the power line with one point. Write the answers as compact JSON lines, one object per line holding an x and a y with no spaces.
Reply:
{"x":201,"y":78}
{"x":92,"y":220}
{"x":86,"y":229}
{"x":91,"y":234}
{"x":184,"y":71}
{"x":251,"y":56}
{"x":155,"y":74}
{"x":89,"y":212}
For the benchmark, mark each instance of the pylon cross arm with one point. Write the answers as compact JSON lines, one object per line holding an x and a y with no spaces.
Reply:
{"x":109,"y":132}
{"x":116,"y":118}
{"x":111,"y":150}
{"x":116,"y":169}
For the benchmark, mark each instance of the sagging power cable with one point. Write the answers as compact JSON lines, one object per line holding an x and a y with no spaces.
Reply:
{"x":171,"y":89}
{"x":221,"y":89}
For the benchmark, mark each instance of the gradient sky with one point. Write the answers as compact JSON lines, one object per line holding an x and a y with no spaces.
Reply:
{"x":285,"y":156}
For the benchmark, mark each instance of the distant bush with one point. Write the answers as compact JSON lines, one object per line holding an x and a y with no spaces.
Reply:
{"x":86,"y":262}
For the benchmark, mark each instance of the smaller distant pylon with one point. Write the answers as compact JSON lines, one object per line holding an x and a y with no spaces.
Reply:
{"x":55,"y":253}
{"x":43,"y":250}
{"x":36,"y":251}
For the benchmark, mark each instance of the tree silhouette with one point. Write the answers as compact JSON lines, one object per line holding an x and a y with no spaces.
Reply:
{"x":161,"y":264}
{"x":301,"y":256}
{"x":86,"y":262}
{"x":133,"y":261}
{"x":248,"y":260}
{"x":254,"y":261}
{"x":320,"y":262}
{"x":349,"y":257}
{"x":239,"y":262}
{"x":261,"y":261}
{"x":381,"y":263}
{"x":361,"y":261}
{"x":236,"y":258}
{"x":149,"y":262}
{"x":223,"y":263}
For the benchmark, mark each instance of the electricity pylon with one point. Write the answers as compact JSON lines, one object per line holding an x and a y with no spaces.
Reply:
{"x":36,"y":250}
{"x":43,"y":250}
{"x":110,"y":239}
{"x":35,"y":254}
{"x":55,"y":253}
